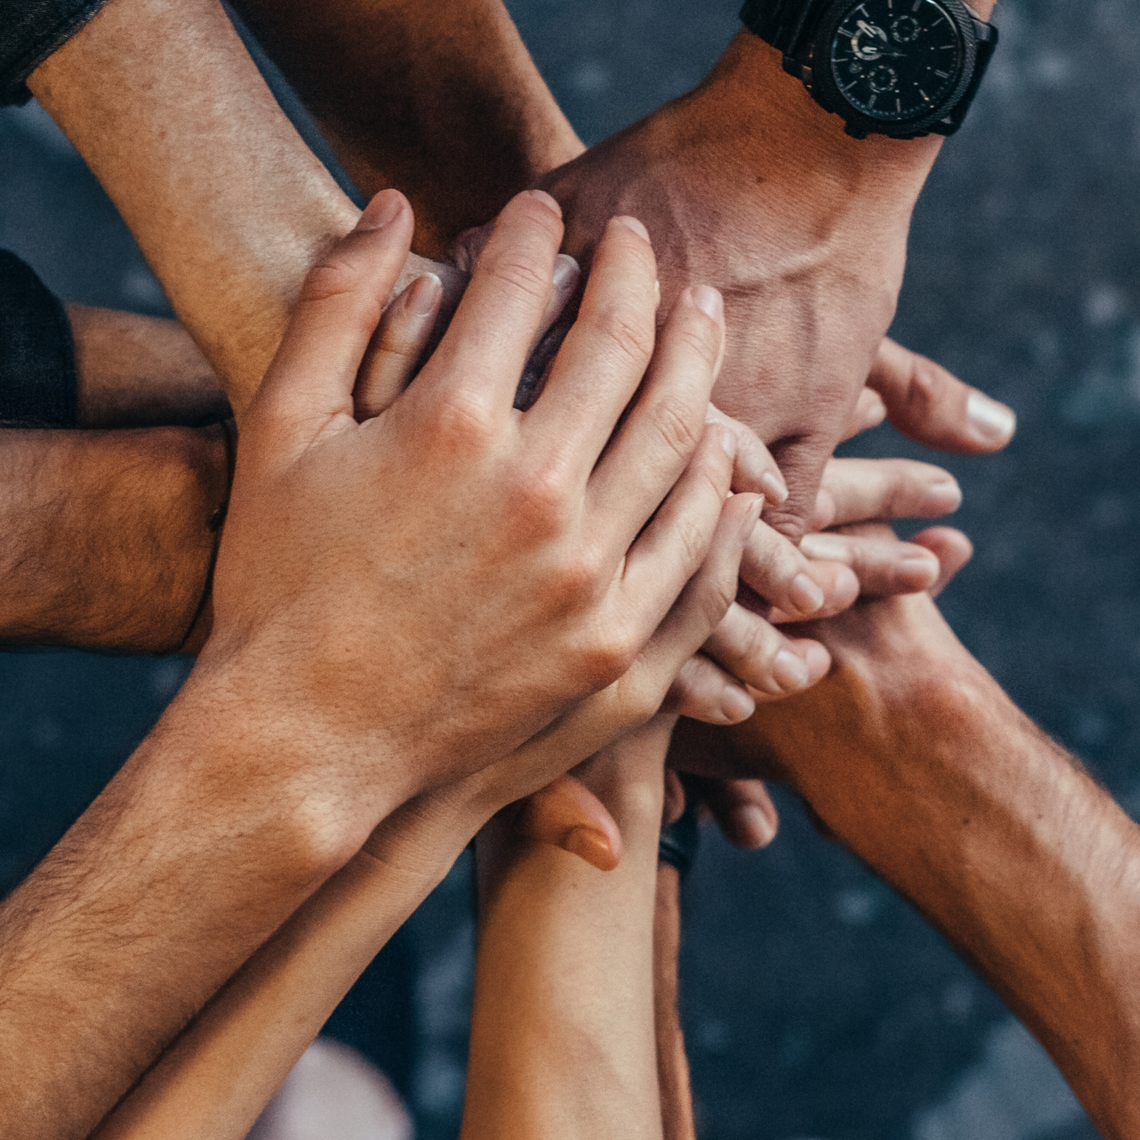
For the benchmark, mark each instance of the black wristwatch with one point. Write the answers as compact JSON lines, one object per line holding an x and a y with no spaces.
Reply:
{"x":903,"y":68}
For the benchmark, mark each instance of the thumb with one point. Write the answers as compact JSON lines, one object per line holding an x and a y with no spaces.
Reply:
{"x":311,"y":379}
{"x":567,"y":814}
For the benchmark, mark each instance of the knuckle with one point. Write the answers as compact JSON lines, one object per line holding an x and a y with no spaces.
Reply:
{"x":702,"y":340}
{"x":463,"y":424}
{"x":521,"y":276}
{"x":336,"y":276}
{"x":675,"y":427}
{"x":539,"y":500}
{"x":629,"y":331}
{"x":608,"y":655}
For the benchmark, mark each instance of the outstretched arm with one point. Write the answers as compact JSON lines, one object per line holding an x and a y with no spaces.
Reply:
{"x":562,"y":1034}
{"x":229,"y":205}
{"x":913,"y":757}
{"x":441,"y":100}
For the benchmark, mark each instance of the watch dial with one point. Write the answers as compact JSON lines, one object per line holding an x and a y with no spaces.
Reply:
{"x":897,"y":59}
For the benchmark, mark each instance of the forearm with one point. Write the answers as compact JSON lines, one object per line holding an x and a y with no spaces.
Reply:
{"x":194,"y":854}
{"x":107,"y":535}
{"x":672,"y":1063}
{"x":139,"y":371}
{"x":958,"y":801}
{"x":223,"y":1070}
{"x":562,"y":1037}
{"x":442,"y":101}
{"x":229,"y":205}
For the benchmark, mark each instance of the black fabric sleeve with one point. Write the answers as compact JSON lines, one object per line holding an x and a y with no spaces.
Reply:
{"x":30,"y":30}
{"x":38,"y":384}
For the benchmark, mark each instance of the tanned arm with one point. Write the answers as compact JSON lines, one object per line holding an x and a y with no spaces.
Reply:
{"x":441,"y":100}
{"x":911,"y":754}
{"x":108,"y":536}
{"x":229,"y":205}
{"x":139,"y":371}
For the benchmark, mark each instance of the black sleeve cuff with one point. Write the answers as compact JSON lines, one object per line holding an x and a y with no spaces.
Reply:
{"x":30,"y":31}
{"x":38,"y":383}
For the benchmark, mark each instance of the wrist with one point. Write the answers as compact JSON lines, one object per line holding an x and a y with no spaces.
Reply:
{"x":766,"y":129}
{"x":261,"y":747}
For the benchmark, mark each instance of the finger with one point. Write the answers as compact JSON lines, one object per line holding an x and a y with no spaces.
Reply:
{"x":861,"y":489}
{"x":481,"y":356}
{"x":660,"y":434}
{"x":952,"y":549}
{"x":705,"y":599}
{"x":556,"y":323}
{"x":681,"y":537}
{"x":742,"y":809}
{"x":755,"y":470}
{"x":397,"y":346}
{"x":605,"y":354}
{"x":752,"y":650}
{"x":779,"y":573}
{"x":567,"y":814}
{"x":933,"y":407}
{"x":870,"y":411}
{"x":884,"y":566}
{"x":705,"y":692}
{"x":802,"y":460}
{"x":313,"y":375}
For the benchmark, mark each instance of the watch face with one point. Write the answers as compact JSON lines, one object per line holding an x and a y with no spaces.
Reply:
{"x":897,"y":60}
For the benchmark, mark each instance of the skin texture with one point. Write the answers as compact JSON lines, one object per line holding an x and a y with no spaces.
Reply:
{"x":749,"y":184}
{"x":562,"y":1034}
{"x":154,"y":94}
{"x":138,"y":371}
{"x":442,"y":101}
{"x":288,"y":744}
{"x":912,"y":756}
{"x":133,"y":582}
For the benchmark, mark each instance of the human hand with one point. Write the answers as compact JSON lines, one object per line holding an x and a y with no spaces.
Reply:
{"x":745,"y":182}
{"x":506,"y":569}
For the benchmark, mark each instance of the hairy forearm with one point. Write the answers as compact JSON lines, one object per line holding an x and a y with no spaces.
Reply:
{"x":139,"y":371}
{"x":107,"y":535}
{"x":229,"y":205}
{"x":222,"y":1071}
{"x":953,"y":796}
{"x":194,"y":854}
{"x":562,"y":1037}
{"x":442,"y":101}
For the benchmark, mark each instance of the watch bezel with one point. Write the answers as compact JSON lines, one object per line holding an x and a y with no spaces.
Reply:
{"x":828,"y":93}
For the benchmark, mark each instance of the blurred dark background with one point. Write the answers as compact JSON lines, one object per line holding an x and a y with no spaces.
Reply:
{"x":818,"y":1004}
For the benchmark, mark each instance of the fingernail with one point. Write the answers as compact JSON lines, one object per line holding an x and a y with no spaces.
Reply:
{"x":736,"y":704}
{"x":546,"y":200}
{"x":635,"y":225}
{"x":941,"y":499}
{"x":425,"y":293}
{"x":805,"y":595}
{"x":775,"y":489}
{"x":565,"y":275}
{"x":709,"y":301}
{"x":590,"y":845}
{"x":381,"y":211}
{"x":754,"y":825}
{"x":728,"y":441}
{"x":991,"y":422}
{"x":920,"y":571}
{"x":789,"y":672}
